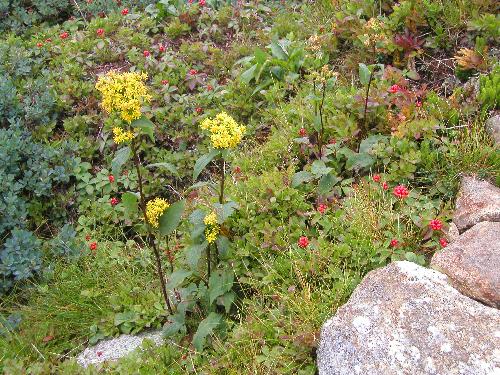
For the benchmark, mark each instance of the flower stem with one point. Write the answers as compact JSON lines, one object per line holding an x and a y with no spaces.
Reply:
{"x":208,"y":261}
{"x":150,"y":238}
{"x":222,"y":178}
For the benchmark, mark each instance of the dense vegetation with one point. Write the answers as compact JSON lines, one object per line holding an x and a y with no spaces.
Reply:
{"x":263,"y":155}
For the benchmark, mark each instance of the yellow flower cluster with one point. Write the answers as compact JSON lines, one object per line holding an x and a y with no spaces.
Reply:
{"x":373,"y":32}
{"x":124,"y":93}
{"x":224,"y":131}
{"x":120,"y":135}
{"x":213,"y":227}
{"x":154,"y":209}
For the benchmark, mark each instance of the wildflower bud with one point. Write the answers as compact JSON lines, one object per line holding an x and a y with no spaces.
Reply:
{"x":48,"y":40}
{"x":237,"y":170}
{"x":394,"y":242}
{"x":209,"y":88}
{"x":87,"y":237}
{"x":385,"y":186}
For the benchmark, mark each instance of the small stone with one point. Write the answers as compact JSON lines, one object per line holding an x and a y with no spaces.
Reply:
{"x":452,"y":233}
{"x":116,"y":348}
{"x":493,"y":127}
{"x":406,"y":319}
{"x":472,"y":263}
{"x":477,"y":201}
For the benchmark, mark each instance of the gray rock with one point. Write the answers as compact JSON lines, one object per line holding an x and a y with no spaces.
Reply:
{"x":116,"y":348}
{"x":452,"y":233}
{"x":406,"y":319}
{"x":493,"y":127}
{"x":477,"y":201}
{"x":472,"y":263}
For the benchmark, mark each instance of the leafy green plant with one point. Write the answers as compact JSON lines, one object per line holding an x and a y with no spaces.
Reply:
{"x":489,"y":89}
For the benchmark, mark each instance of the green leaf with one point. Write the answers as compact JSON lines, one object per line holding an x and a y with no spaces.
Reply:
{"x":319,"y":168}
{"x":130,"y":202}
{"x":176,"y":323}
{"x":364,"y":74}
{"x":145,"y":125}
{"x":327,"y":182}
{"x":278,"y":51}
{"x":193,"y":254}
{"x":249,"y":74}
{"x":225,"y":210}
{"x":206,"y":328}
{"x":121,"y":157}
{"x":301,"y":177}
{"x":202,"y":162}
{"x":171,"y":217}
{"x":124,"y":317}
{"x":367,"y":144}
{"x":165,"y":165}
{"x":220,"y":282}
{"x":227,"y":300}
{"x":223,"y":245}
{"x":359,"y":161}
{"x":176,"y":278}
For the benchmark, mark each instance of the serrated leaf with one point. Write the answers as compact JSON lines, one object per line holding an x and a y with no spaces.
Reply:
{"x":202,"y":162}
{"x":130,"y":202}
{"x":220,"y":282}
{"x":171,"y":217}
{"x":193,"y":254}
{"x":359,"y":161}
{"x":301,"y":177}
{"x":223,"y":244}
{"x":205,"y":328}
{"x":177,"y":278}
{"x":145,"y":125}
{"x":227,"y":300}
{"x":176,"y":323}
{"x":326,"y":183}
{"x":165,"y":165}
{"x":224,"y":211}
{"x":121,"y":157}
{"x":125,"y":317}
{"x":319,"y":168}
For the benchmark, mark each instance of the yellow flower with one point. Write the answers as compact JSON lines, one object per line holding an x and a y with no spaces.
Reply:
{"x":124,"y":93}
{"x":154,"y":209}
{"x":224,"y":131}
{"x":213,"y":227}
{"x":119,"y":135}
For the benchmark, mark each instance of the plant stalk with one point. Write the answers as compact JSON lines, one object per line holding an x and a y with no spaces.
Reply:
{"x":222,"y":178}
{"x":151,"y":241}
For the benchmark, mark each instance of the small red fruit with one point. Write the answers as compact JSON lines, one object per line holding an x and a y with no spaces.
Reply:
{"x":202,"y":3}
{"x":302,"y":132}
{"x":100,"y":32}
{"x":164,"y":82}
{"x":39,"y":45}
{"x":394,"y":89}
{"x":124,"y":11}
{"x":146,"y":53}
{"x":436,"y":224}
{"x":161,"y":48}
{"x":199,"y":110}
{"x":63,"y":35}
{"x":209,"y":88}
{"x":385,"y":186}
{"x":111,"y":178}
{"x":237,"y":169}
{"x":401,"y":191}
{"x":376,"y":178}
{"x":418,"y":103}
{"x":87,"y":237}
{"x":303,"y":242}
{"x":333,"y":141}
{"x":93,"y":246}
{"x":193,"y":72}
{"x":114,"y":201}
{"x":443,"y":242}
{"x":322,"y":208}
{"x":394,"y":242}
{"x":48,"y":40}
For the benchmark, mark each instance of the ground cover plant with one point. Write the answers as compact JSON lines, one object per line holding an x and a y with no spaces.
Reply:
{"x":227,"y":171}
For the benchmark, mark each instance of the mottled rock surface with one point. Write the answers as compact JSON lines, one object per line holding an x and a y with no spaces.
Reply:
{"x":493,"y":127}
{"x":477,"y":201}
{"x":116,"y":348}
{"x":472,"y":263}
{"x":406,"y":319}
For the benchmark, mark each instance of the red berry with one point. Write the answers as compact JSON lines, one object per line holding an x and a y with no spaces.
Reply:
{"x":401,"y":191}
{"x":443,"y":242}
{"x":63,"y":35}
{"x":161,"y":48}
{"x":237,"y":170}
{"x":146,"y":53}
{"x":111,"y":178}
{"x":114,"y":201}
{"x":436,"y":224}
{"x":93,"y":246}
{"x":302,"y":132}
{"x":322,"y":208}
{"x":164,"y":82}
{"x":376,"y":178}
{"x":100,"y":32}
{"x":333,"y":141}
{"x":124,"y":11}
{"x":39,"y":45}
{"x":87,"y":237}
{"x":202,"y":3}
{"x":303,"y":242}
{"x":394,"y":242}
{"x":385,"y":186}
{"x":209,"y":88}
{"x":193,"y":72}
{"x":394,"y":89}
{"x":199,"y":110}
{"x":418,"y":103}
{"x":48,"y":40}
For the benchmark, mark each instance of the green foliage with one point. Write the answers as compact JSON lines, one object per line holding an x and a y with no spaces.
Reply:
{"x":489,"y":89}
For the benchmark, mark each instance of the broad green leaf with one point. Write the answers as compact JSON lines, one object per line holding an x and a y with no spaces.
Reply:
{"x":278,"y":51}
{"x":205,"y":329}
{"x":367,"y":144}
{"x":249,"y":74}
{"x":130,"y":202}
{"x":175,"y":324}
{"x":176,"y":278}
{"x":165,"y":165}
{"x":121,"y":157}
{"x":326,"y":183}
{"x":223,"y":244}
{"x":319,"y":168}
{"x":301,"y":177}
{"x":124,"y":317}
{"x":359,"y":161}
{"x":171,"y":218}
{"x":220,"y":282}
{"x":145,"y":125}
{"x":260,"y":56}
{"x":194,"y":253}
{"x":227,"y":300}
{"x":364,"y":74}
{"x":202,"y":162}
{"x":225,"y":210}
